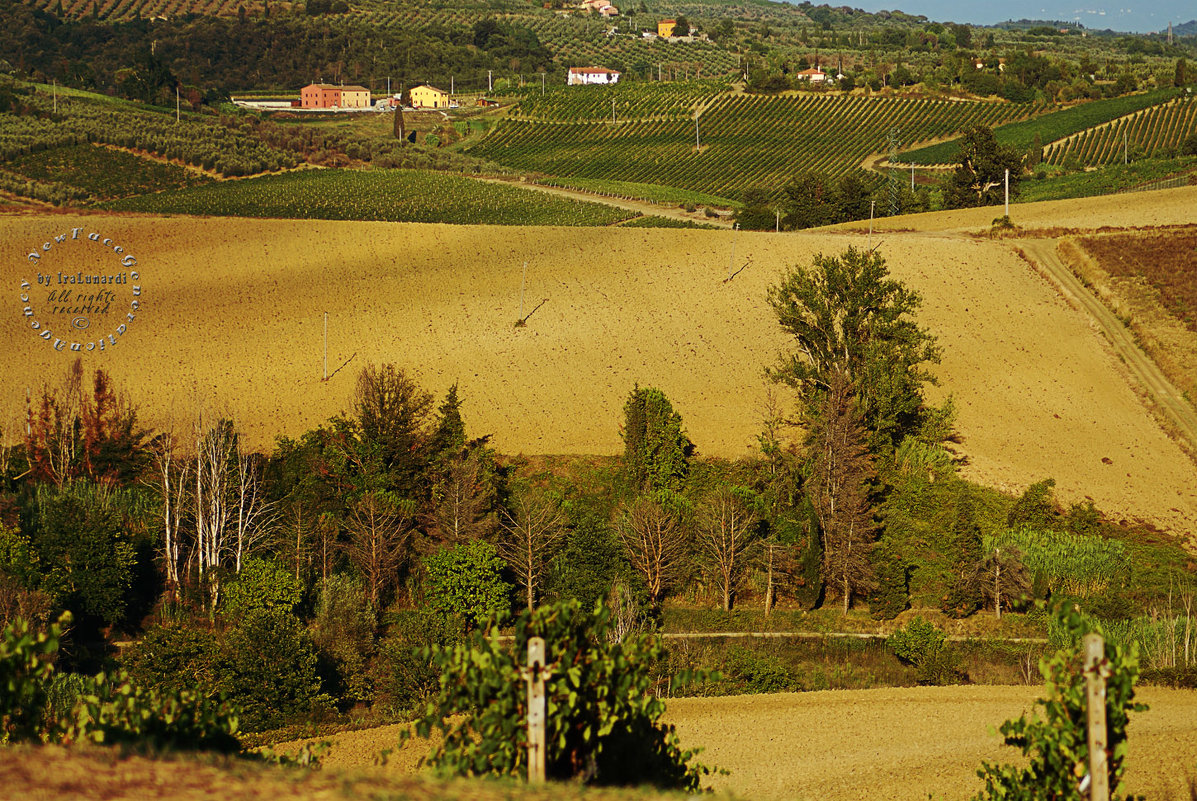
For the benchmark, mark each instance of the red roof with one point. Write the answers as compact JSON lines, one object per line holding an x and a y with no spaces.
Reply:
{"x":593,"y":71}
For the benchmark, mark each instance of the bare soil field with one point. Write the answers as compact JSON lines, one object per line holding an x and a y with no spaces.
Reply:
{"x":899,"y":744}
{"x":1149,"y":279}
{"x":1129,"y":210}
{"x":231,"y":320}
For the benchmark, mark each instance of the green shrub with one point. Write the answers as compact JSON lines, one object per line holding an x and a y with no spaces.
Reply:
{"x":26,"y":668}
{"x":1055,"y":745}
{"x":404,"y":674}
{"x":467,"y":581}
{"x":89,"y":558}
{"x":343,"y":631}
{"x":602,"y":723}
{"x":925,"y":647}
{"x":261,"y":584}
{"x":268,"y":667}
{"x":1035,"y":508}
{"x":112,"y":710}
{"x":757,"y":672}
{"x":1069,"y":564}
{"x":175,"y":658}
{"x":892,"y":594}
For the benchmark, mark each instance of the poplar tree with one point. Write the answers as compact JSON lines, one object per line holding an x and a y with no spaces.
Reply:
{"x":838,"y":488}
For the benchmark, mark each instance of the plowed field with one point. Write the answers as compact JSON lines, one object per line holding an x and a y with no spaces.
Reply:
{"x":900,"y":744}
{"x":232,"y":320}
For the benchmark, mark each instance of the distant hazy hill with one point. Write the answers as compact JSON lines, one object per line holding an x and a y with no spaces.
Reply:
{"x":1187,"y":29}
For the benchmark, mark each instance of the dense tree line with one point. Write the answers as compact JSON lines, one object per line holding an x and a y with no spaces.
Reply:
{"x":146,"y":59}
{"x":307,"y":580}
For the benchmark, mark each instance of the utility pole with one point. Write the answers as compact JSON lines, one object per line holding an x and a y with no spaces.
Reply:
{"x":731,"y":261}
{"x":55,"y":91}
{"x":777,"y":224}
{"x":542,"y":84}
{"x":451,"y":87}
{"x":523,"y":282}
{"x":176,"y":104}
{"x":872,"y":205}
{"x":326,"y":346}
{"x":912,"y":176}
{"x":490,"y":87}
{"x":697,"y":144}
{"x":612,"y":111}
{"x":1007,"y":191}
{"x":1125,"y":147}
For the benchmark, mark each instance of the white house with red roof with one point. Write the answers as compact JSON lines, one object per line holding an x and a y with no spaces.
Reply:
{"x":814,"y":75}
{"x":579,"y":76}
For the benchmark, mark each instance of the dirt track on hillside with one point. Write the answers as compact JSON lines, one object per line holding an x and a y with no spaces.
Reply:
{"x":1170,"y":401}
{"x":233,"y":319}
{"x":901,"y":744}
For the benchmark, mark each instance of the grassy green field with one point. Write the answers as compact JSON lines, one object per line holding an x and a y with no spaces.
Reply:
{"x":1048,"y":127}
{"x":393,"y":195}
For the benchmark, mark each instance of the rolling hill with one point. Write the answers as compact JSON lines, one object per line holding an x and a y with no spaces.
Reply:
{"x":233,"y":314}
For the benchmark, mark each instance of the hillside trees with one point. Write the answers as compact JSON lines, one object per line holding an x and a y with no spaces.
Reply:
{"x":531,"y":531}
{"x":979,"y":178}
{"x":812,"y":198}
{"x":848,"y":318}
{"x":655,"y":543}
{"x":656,"y":449}
{"x":728,"y":536}
{"x":841,"y":470}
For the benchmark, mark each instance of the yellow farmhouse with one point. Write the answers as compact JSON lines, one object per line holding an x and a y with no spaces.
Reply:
{"x":427,"y":96}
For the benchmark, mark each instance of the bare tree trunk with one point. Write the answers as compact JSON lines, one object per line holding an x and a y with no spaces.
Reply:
{"x":171,"y":486}
{"x":214,"y":449}
{"x":379,"y":529}
{"x":997,"y":588}
{"x":529,"y":534}
{"x":769,"y":582}
{"x":654,"y":543}
{"x":254,"y":514}
{"x":725,"y":535}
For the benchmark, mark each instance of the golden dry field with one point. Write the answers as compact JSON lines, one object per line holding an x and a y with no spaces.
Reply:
{"x":232,"y":311}
{"x":904,"y":744}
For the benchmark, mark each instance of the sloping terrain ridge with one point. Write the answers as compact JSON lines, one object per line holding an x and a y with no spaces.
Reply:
{"x":232,"y":319}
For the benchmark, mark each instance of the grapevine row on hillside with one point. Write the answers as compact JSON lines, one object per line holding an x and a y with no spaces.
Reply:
{"x":394,"y":195}
{"x":198,"y":142}
{"x":1048,"y":127}
{"x":1157,"y":131}
{"x":746,"y":140}
{"x":635,"y":100}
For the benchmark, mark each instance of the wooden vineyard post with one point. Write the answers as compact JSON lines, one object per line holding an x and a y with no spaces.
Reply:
{"x":536,"y":710}
{"x":1095,"y":695}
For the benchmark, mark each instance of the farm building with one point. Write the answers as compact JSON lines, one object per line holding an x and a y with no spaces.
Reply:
{"x":814,"y":75}
{"x":665,"y":28}
{"x":428,"y":96}
{"x":324,"y":95}
{"x":579,"y":76}
{"x":603,"y":7}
